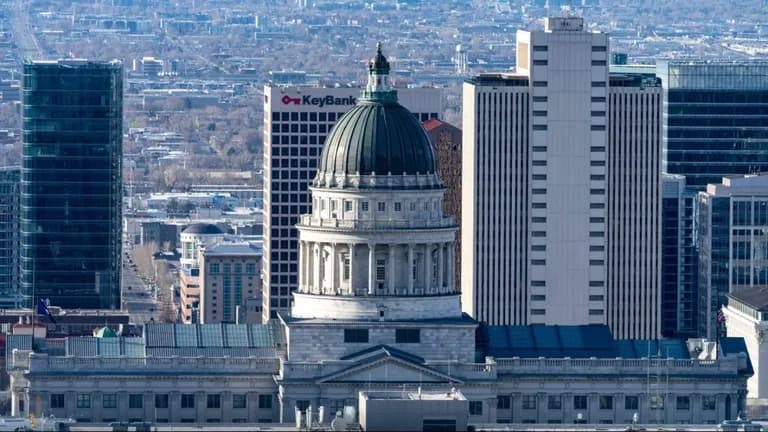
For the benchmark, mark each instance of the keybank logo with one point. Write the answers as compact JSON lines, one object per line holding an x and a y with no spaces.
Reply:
{"x":319,"y":101}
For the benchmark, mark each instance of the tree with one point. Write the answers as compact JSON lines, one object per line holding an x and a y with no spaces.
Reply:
{"x":143,"y":257}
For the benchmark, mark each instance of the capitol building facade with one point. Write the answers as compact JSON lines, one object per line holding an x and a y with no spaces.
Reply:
{"x":378,"y":309}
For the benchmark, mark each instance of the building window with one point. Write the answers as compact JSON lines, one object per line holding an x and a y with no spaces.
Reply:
{"x":334,"y":205}
{"x":413,"y":206}
{"x":475,"y":407}
{"x":109,"y":400}
{"x":355,"y":335}
{"x":407,"y":335}
{"x":250,"y":268}
{"x":529,"y":401}
{"x":265,"y":401}
{"x":656,"y":402}
{"x":136,"y":401}
{"x":83,"y":400}
{"x":598,"y":48}
{"x":598,"y":62}
{"x":540,"y":48}
{"x":598,"y":83}
{"x":708,"y":403}
{"x":345,"y":267}
{"x":347,"y":205}
{"x":398,"y":206}
{"x":57,"y":400}
{"x":364,"y":206}
{"x":503,"y":402}
{"x":539,"y":127}
{"x":606,"y":402}
{"x":554,"y":402}
{"x":381,"y":270}
{"x":596,"y":297}
{"x":538,"y":312}
{"x":381,"y":206}
{"x":226,"y":268}
{"x":161,"y":401}
{"x":538,"y":297}
{"x":540,"y":62}
{"x":683,"y":403}
{"x":302,"y":405}
{"x":539,"y":83}
{"x":214,"y":268}
{"x":188,"y":401}
{"x":213,"y":401}
{"x":238,"y":401}
{"x":596,"y":312}
{"x":580,"y":402}
{"x":631,"y":402}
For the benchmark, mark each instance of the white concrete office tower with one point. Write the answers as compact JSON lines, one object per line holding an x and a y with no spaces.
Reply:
{"x":536,"y":161}
{"x":535,"y":200}
{"x":296,"y":122}
{"x":633,"y":235}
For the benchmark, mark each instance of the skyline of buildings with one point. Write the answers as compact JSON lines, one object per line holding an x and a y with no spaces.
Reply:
{"x":377,"y":309}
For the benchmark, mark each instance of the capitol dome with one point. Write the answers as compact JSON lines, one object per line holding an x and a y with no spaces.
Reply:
{"x":378,"y":136}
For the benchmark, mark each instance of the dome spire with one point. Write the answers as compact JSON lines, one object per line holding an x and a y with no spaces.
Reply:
{"x":378,"y":89}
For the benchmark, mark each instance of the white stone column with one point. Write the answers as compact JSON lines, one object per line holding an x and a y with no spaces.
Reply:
{"x":302,"y":262}
{"x":391,"y":275}
{"x":309,"y":266}
{"x":317,"y":283}
{"x":352,"y":268}
{"x":451,"y":270}
{"x":440,"y":267}
{"x":409,"y":269}
{"x":334,"y":286}
{"x":371,"y":269}
{"x":427,"y":267}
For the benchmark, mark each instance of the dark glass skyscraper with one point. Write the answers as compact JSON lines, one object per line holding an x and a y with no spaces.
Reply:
{"x":71,"y":182}
{"x":9,"y":237}
{"x":715,"y":125}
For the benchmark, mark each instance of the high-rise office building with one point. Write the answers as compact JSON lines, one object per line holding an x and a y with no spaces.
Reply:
{"x":733,"y":243}
{"x":677,"y":306}
{"x":296,"y":122}
{"x":446,"y":141}
{"x":714,"y":126}
{"x":633,"y":239}
{"x":10,"y":182}
{"x":71,"y":182}
{"x":561,"y":171}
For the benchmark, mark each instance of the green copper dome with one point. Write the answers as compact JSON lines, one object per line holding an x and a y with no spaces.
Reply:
{"x":378,"y":136}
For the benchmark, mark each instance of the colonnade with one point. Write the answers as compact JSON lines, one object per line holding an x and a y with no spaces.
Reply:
{"x":333,"y":268}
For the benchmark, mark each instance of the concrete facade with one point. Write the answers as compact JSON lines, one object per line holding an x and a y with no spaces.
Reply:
{"x":553,"y":156}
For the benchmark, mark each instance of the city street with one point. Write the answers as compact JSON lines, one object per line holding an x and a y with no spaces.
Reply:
{"x":138,"y":296}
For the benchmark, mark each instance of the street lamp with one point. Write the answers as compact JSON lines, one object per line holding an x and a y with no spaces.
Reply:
{"x":579,"y":418}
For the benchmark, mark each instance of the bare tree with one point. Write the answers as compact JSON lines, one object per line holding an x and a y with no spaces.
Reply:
{"x":143,"y":256}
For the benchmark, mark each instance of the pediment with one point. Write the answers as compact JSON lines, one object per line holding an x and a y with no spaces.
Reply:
{"x":389,"y":369}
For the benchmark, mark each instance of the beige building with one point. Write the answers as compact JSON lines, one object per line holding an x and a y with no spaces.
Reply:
{"x":230,"y":283}
{"x":190,"y":294}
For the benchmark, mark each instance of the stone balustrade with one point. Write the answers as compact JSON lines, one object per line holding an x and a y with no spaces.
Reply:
{"x":618,"y":366}
{"x":309,"y":220}
{"x":494,"y":367}
{"x":42,"y":363}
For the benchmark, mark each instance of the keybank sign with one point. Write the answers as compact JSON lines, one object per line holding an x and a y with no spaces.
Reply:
{"x":319,"y":101}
